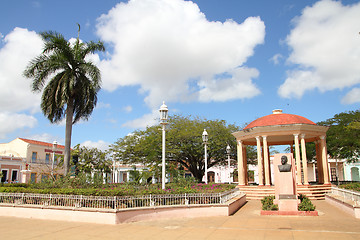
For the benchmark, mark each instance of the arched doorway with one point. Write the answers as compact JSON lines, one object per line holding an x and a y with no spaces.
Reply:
{"x":355,"y":174}
{"x":211,"y":176}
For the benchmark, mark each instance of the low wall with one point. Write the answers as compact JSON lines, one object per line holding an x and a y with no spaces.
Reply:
{"x":123,"y":215}
{"x":344,"y":206}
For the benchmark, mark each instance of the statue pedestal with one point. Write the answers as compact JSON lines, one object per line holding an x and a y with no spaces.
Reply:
{"x":285,"y":182}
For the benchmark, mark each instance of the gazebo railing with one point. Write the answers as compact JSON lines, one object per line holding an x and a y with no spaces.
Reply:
{"x":116,"y":202}
{"x":346,"y":195}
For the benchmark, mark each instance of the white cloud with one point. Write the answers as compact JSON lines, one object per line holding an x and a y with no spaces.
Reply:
{"x":20,"y":46}
{"x":170,"y":50}
{"x":101,"y":145}
{"x":10,"y":122}
{"x":144,"y":121}
{"x":128,"y":109}
{"x":45,"y":137}
{"x":17,"y":49}
{"x":325,"y":49}
{"x":276,"y":58}
{"x":352,"y":97}
{"x":101,"y":105}
{"x":227,"y":88}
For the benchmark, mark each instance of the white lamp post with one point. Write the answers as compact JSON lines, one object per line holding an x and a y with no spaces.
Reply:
{"x":205,"y":138}
{"x":55,"y":144}
{"x":163,"y":121}
{"x":228,"y":153}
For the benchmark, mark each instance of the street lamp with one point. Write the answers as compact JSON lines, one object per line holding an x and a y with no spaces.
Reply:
{"x":228,"y":153}
{"x":55,"y":144}
{"x":163,"y":121}
{"x":205,"y":138}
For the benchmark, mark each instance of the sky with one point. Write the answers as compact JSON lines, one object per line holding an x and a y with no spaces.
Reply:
{"x":234,"y":60}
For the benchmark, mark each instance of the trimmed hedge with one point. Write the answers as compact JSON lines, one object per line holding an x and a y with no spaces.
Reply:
{"x":351,"y":186}
{"x":119,"y":189}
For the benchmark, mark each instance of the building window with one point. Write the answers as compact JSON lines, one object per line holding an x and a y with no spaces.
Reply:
{"x":47,"y":158}
{"x":333,"y":174}
{"x":33,"y":178}
{"x":14,"y":176}
{"x":4,"y":175}
{"x":44,"y":177}
{"x":34,"y":157}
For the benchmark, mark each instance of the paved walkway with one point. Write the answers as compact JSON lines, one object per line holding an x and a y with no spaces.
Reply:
{"x":245,"y":224}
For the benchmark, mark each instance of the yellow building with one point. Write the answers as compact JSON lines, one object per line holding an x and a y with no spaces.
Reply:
{"x":40,"y":159}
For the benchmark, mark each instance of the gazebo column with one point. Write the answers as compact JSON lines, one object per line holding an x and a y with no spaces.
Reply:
{"x":266,"y":161}
{"x":304,"y":159}
{"x":245,"y":165}
{"x":269,"y":166}
{"x":260,"y":164}
{"x":324,"y":160}
{"x":297,"y":158}
{"x":240,"y":155}
{"x":319,"y":162}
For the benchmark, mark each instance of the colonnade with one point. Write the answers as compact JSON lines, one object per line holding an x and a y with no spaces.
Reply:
{"x":263,"y":160}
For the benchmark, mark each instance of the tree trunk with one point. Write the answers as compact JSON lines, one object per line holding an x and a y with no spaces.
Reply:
{"x":68,"y":131}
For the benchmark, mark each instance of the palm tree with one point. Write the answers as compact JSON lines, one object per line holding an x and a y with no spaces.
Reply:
{"x":72,"y":82}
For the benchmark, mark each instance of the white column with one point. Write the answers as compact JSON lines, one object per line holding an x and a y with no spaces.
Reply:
{"x":324,"y":160}
{"x":304,"y":159}
{"x":266,"y":162}
{"x":206,"y":175}
{"x":240,"y":155}
{"x":297,"y":158}
{"x":163,"y":158}
{"x":260,"y":164}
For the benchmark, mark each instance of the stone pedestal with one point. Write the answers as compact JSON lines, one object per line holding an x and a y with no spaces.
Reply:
{"x":25,"y":178}
{"x":285,"y":182}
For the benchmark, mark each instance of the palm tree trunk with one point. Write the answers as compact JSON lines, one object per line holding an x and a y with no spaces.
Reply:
{"x":68,"y":131}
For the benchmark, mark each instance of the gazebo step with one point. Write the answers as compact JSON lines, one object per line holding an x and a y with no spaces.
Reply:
{"x":313,"y":192}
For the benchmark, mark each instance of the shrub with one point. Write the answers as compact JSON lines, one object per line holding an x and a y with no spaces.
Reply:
{"x":305,"y":204}
{"x":351,"y":186}
{"x":268,"y":203}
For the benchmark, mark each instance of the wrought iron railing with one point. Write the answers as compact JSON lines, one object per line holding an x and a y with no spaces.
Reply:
{"x":116,"y":202}
{"x":346,"y":195}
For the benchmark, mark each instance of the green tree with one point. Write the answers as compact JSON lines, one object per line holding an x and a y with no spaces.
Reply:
{"x":343,"y":136}
{"x":90,"y":159}
{"x":69,"y":82}
{"x":184,"y":144}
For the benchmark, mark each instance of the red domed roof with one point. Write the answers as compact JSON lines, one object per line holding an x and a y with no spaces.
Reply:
{"x":279,"y":118}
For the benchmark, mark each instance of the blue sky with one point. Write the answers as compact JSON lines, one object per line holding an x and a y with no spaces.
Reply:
{"x":232,"y":60}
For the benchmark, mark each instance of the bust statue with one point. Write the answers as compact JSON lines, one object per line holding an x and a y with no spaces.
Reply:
{"x":284,"y":167}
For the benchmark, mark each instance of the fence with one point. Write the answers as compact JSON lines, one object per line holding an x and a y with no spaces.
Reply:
{"x":116,"y":202}
{"x":345,"y":194}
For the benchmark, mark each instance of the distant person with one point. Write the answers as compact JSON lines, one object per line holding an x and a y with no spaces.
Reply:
{"x":284,"y":167}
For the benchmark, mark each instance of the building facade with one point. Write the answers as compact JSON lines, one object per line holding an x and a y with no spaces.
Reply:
{"x":39,"y":160}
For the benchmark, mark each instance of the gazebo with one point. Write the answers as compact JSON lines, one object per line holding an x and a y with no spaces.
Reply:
{"x":282,"y":129}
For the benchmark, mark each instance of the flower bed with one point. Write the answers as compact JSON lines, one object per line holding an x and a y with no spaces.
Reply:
{"x":305,"y":208}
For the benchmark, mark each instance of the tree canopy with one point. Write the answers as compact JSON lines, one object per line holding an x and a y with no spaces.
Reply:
{"x":90,"y":159}
{"x":69,"y":82}
{"x":343,"y":136}
{"x":184,"y":144}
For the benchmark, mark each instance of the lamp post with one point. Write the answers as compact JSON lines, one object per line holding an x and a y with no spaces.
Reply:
{"x":228,"y":154}
{"x":205,"y":138}
{"x":55,"y":144}
{"x":163,"y":121}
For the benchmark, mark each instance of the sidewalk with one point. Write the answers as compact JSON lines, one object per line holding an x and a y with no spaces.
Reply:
{"x":247,"y":223}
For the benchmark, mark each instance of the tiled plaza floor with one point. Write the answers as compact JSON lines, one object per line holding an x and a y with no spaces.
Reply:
{"x":245,"y":224}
